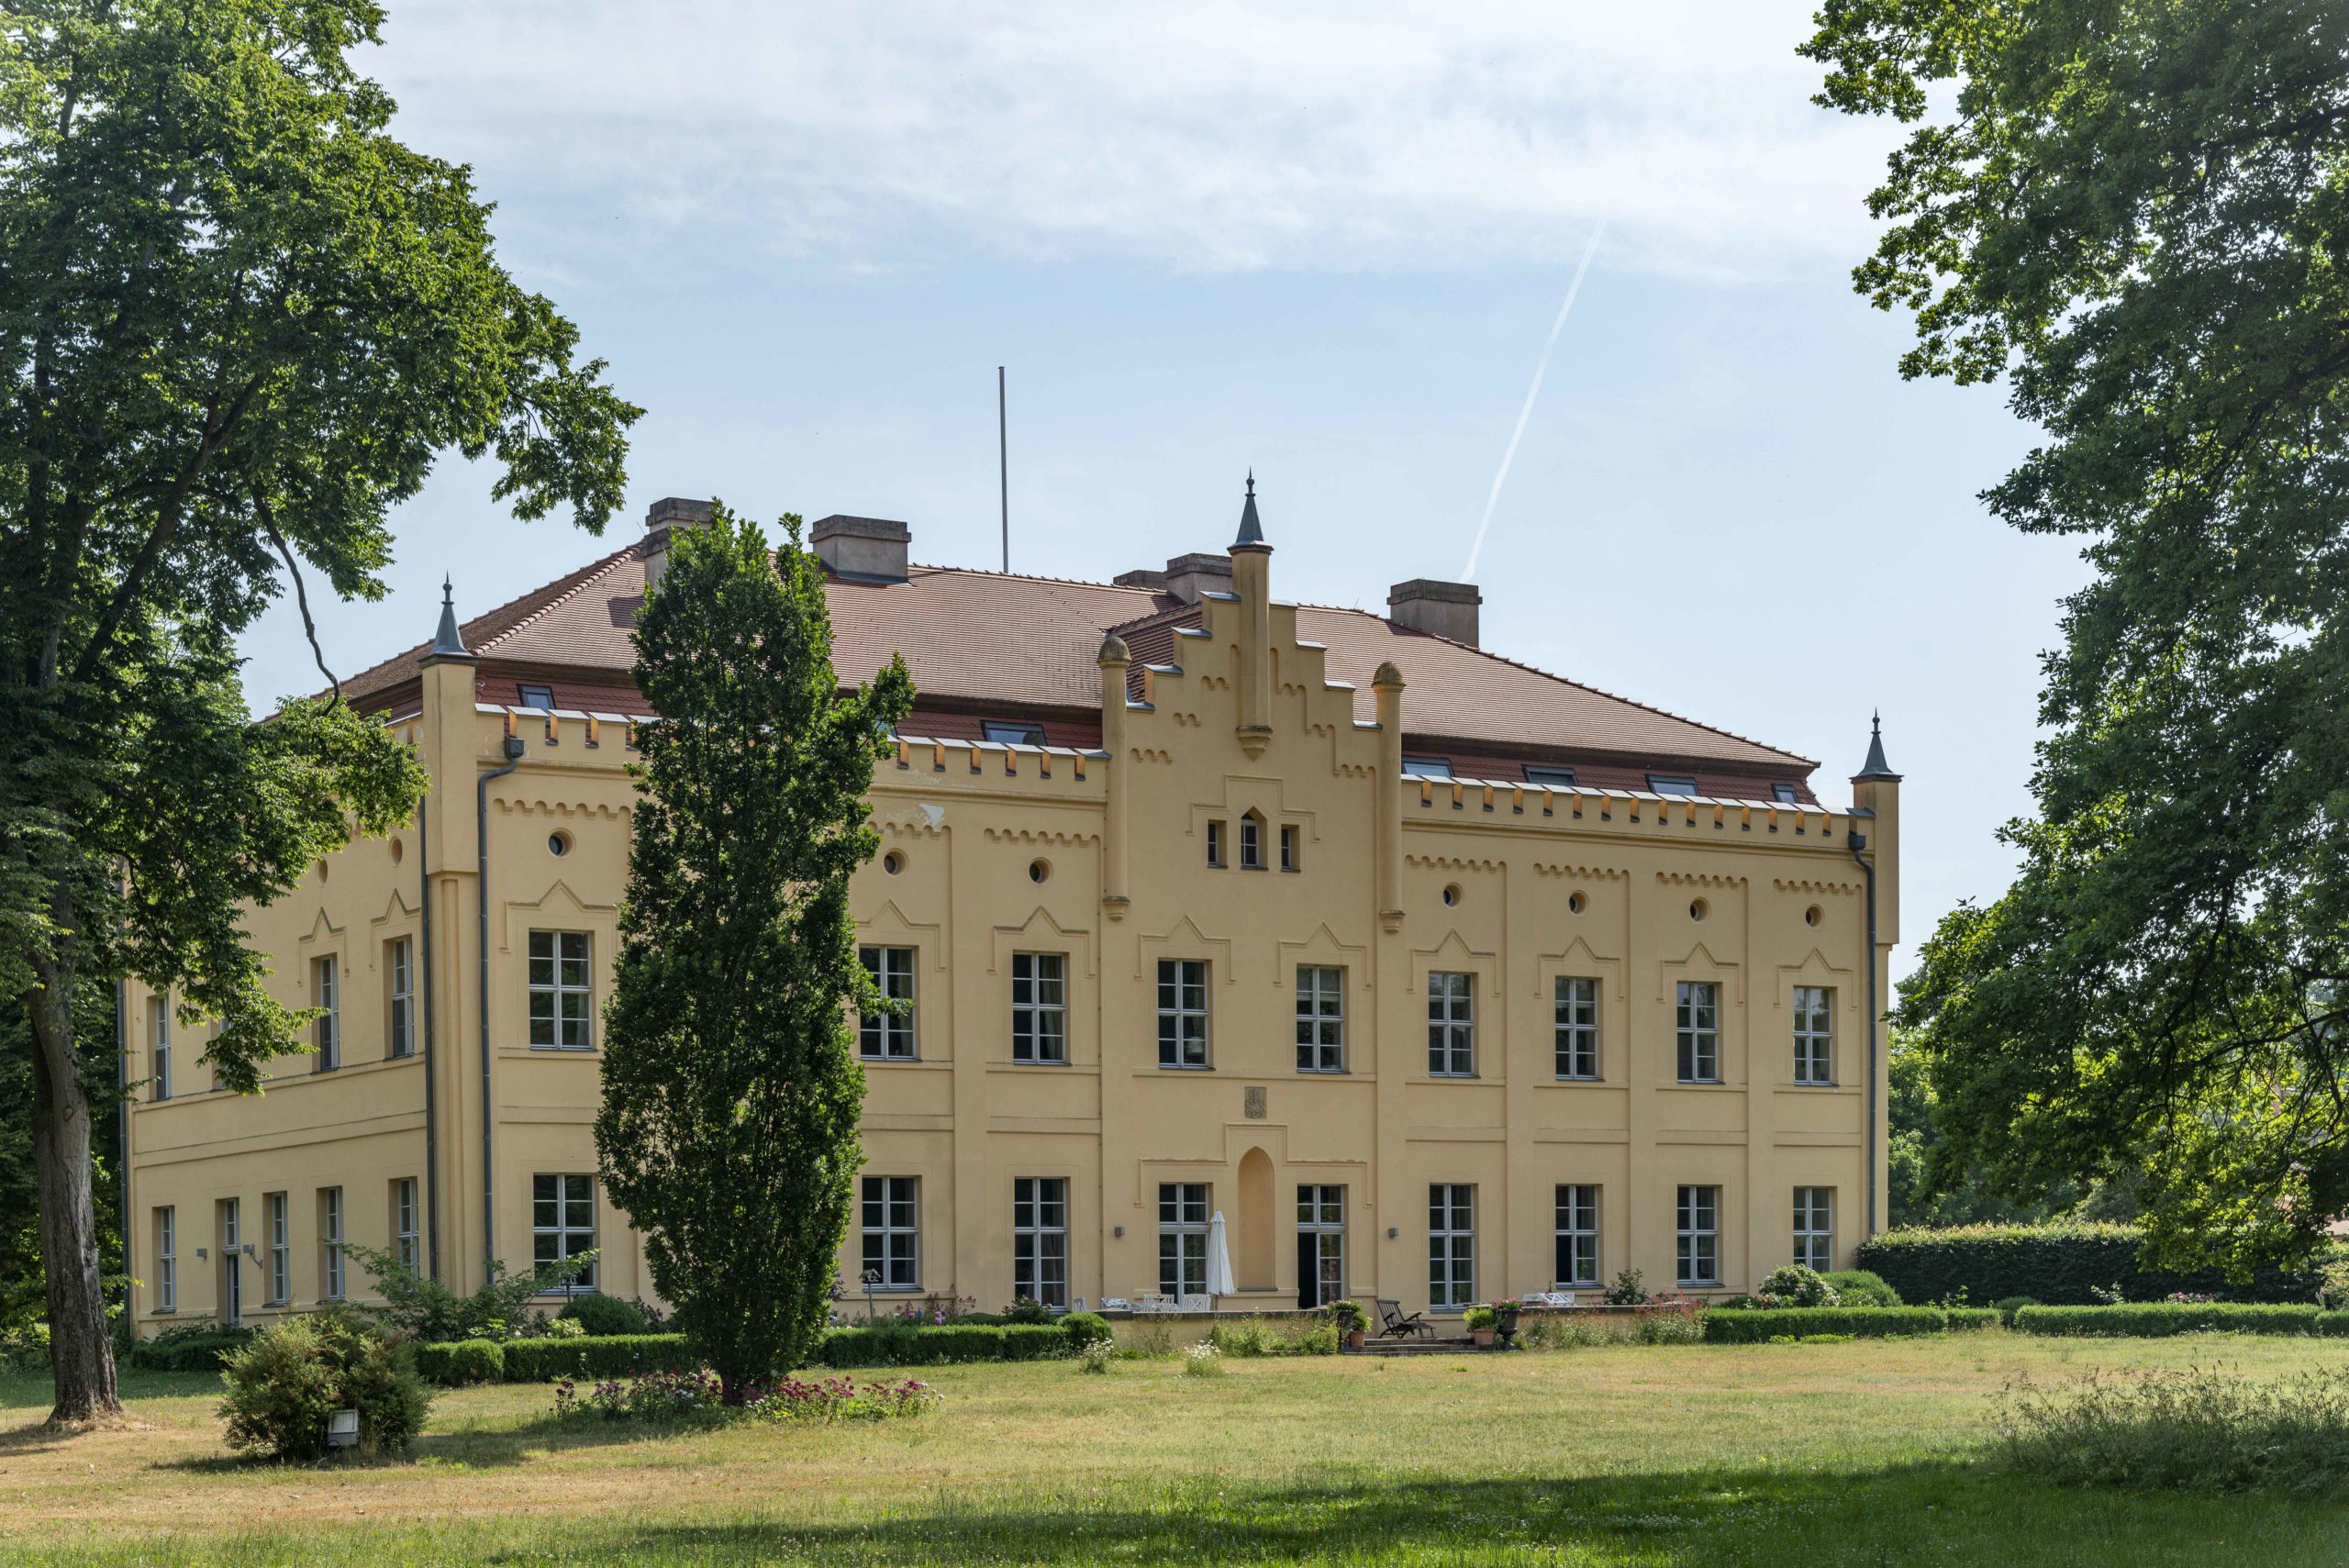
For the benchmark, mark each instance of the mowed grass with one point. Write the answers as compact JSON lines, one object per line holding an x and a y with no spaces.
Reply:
{"x":1871,"y":1452}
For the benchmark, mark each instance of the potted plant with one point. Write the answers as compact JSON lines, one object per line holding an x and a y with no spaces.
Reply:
{"x":1353,"y":1322}
{"x":1483,"y":1321}
{"x":1505,"y":1320}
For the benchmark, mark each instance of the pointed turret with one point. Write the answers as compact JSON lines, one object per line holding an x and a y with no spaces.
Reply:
{"x":1875,"y":767}
{"x":447,"y":645}
{"x":1252,"y":530}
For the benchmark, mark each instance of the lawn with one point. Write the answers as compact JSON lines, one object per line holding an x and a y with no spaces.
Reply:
{"x":1870,"y":1452}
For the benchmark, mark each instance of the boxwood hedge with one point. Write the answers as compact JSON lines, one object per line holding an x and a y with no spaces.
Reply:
{"x":2154,"y":1320}
{"x":1759,"y":1325}
{"x":188,"y":1349}
{"x":2060,"y":1263}
{"x":598,"y":1356}
{"x":626,"y":1355}
{"x":455,"y":1363}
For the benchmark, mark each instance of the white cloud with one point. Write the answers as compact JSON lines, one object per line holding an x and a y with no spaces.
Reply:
{"x":1202,"y":135}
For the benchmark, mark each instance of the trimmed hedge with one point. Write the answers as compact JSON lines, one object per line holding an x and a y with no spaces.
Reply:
{"x":607,"y":1356}
{"x":943,"y":1345}
{"x":1759,"y":1325}
{"x":2333,"y":1324}
{"x":2155,"y":1319}
{"x":2059,"y":1264}
{"x":626,"y":1355}
{"x":1962,"y":1318}
{"x":456,"y":1363}
{"x":183,"y":1351}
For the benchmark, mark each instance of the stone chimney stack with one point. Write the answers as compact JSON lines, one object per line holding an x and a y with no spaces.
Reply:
{"x":869,"y":550}
{"x":661,"y":519}
{"x":1446,"y":609}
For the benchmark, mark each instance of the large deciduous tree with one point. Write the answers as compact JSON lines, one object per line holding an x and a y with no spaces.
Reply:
{"x":2137,"y":212}
{"x":731,"y":1086}
{"x":237,"y":320}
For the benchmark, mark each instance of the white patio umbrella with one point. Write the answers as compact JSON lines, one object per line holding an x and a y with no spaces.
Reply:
{"x":1219,"y":1258}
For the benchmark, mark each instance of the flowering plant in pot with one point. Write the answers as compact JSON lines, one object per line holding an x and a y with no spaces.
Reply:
{"x":1482,"y":1322}
{"x":1353,"y":1322}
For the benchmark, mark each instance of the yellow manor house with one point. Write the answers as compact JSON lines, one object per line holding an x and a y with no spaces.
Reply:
{"x":1399,"y":968}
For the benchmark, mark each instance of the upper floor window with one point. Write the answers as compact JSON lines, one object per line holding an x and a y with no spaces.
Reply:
{"x":1814,"y":1034}
{"x":1251,"y":842}
{"x":325,"y":1034}
{"x":1038,"y":1006}
{"x":1215,"y":843}
{"x":560,"y":990}
{"x":1011,"y":732}
{"x":1536,"y":773}
{"x":1182,"y":1012}
{"x":1321,"y":1018}
{"x":1696,"y":1020}
{"x":1291,"y":857}
{"x":1452,"y":1025}
{"x":1577,"y":1025}
{"x":888,"y":1037}
{"x":158,"y":1030}
{"x":535,"y":697}
{"x":1428,"y":767}
{"x":399,"y":971}
{"x":1671,"y":783}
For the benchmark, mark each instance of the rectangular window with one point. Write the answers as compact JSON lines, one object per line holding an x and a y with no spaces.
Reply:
{"x":406,"y":1225}
{"x":1701,"y":1235}
{"x":167,"y":1260}
{"x":1182,"y":1012}
{"x":888,"y":1037}
{"x":159,"y":1031}
{"x":331,"y":1244}
{"x":892,"y":1227}
{"x":1814,"y":1034}
{"x":1452,"y":1025}
{"x":1577,"y":1264}
{"x":1040,"y":1240}
{"x":562,"y":1224}
{"x":280,"y":1252}
{"x":535,"y":697}
{"x":325,"y":1034}
{"x":1814,"y":1228}
{"x":232,"y":1262}
{"x":1557,"y":778}
{"x":1671,"y":783}
{"x":1696,"y":1019}
{"x":1321,"y":1018}
{"x":1215,"y":843}
{"x":1038,"y":1006}
{"x":1291,"y":857}
{"x":1320,"y":1245}
{"x":1427,"y":767}
{"x":1251,"y":842}
{"x":562,"y":994}
{"x":1452,"y":1245}
{"x":1182,"y":1237}
{"x":399,"y":972}
{"x":1011,"y":732}
{"x":1576,"y":1024}
{"x":1784,"y":794}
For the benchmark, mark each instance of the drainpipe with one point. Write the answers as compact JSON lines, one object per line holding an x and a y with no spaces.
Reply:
{"x":431,"y":1057}
{"x":489,"y":1119}
{"x":1859,"y":842}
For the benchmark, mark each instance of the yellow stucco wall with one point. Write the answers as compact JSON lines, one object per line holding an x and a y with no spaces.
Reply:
{"x":1399,"y":876}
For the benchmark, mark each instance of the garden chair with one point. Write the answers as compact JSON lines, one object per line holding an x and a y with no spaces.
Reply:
{"x":1396,"y":1325}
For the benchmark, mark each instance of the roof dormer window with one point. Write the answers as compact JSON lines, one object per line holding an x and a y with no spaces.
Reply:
{"x":537,"y":696}
{"x":1011,"y":732}
{"x":1562,"y":778}
{"x":1671,"y":783}
{"x":1784,"y":794}
{"x":1428,"y":767}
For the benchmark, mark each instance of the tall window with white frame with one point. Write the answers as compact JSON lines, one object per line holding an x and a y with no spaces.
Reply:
{"x":1814,"y":1228}
{"x":1215,"y":843}
{"x":325,"y":1031}
{"x":1577,"y":1261}
{"x":1292,"y":851}
{"x":1321,"y":1018}
{"x":1701,"y":1235}
{"x":1040,"y":1240}
{"x":167,"y":1259}
{"x":1814,"y":1034}
{"x":331,"y":1244}
{"x":888,"y":1037}
{"x":1039,"y":1006}
{"x":159,"y":1031}
{"x":562,"y":991}
{"x":1697,"y":1021}
{"x":1182,"y":1237}
{"x":1452,"y":1245}
{"x":891,"y":1212}
{"x":399,"y":989}
{"x":1182,"y":1012}
{"x":232,"y":1262}
{"x":1452,"y":1025}
{"x":405,"y":1226}
{"x":1576,"y":1008}
{"x":562,"y":1224}
{"x":1320,"y":1244}
{"x":280,"y":1252}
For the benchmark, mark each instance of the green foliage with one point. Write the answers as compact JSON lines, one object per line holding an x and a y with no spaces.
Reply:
{"x":1917,"y":1194}
{"x":601,"y":1314}
{"x":189,"y":1347}
{"x":1629,"y":1290}
{"x":728,"y":1132}
{"x":2331,"y":1324}
{"x":2186,"y":1431}
{"x":1248,"y":1338}
{"x":2158,"y":1319}
{"x":1749,"y":1326}
{"x":2064,"y":1262}
{"x":463,"y":1361}
{"x":2136,"y":215}
{"x":1349,"y":1315}
{"x":1024,"y":1310}
{"x":2333,"y":1283}
{"x":943,"y":1344}
{"x":1477,"y":1318}
{"x":1858,"y":1287}
{"x":2010,"y":1305}
{"x":1083,"y":1328}
{"x":1795,"y":1284}
{"x":428,"y":1310}
{"x":612,"y":1355}
{"x":297,"y":1373}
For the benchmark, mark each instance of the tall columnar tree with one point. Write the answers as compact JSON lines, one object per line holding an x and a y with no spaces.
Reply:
{"x":237,"y":320}
{"x":2138,"y":212}
{"x":731,"y":1087}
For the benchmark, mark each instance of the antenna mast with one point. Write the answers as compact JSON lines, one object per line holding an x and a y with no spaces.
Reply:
{"x":1003,"y":464}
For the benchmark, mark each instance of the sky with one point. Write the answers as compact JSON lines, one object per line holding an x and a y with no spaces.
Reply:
{"x":1328,"y":243}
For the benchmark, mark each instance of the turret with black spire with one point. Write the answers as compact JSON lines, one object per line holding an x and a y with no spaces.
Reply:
{"x":447,"y":645}
{"x":1875,"y":767}
{"x":1251,"y":574}
{"x":1252,"y":530}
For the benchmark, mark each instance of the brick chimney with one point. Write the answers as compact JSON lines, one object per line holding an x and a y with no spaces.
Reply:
{"x":1187,"y":576}
{"x":871,"y":549}
{"x":662,"y":518}
{"x":1447,"y":609}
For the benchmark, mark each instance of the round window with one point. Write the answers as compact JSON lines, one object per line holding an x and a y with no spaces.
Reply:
{"x":558,"y":844}
{"x":1452,"y":896}
{"x":1039,"y":871}
{"x":893,"y":862}
{"x":1810,"y":916}
{"x":1573,"y":903}
{"x":1696,"y":909}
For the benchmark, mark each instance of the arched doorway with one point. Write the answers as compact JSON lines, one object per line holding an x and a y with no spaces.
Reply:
{"x":1254,"y":1264}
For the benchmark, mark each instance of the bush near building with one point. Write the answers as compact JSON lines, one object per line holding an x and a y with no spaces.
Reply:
{"x":2061,"y":1263}
{"x":1760,"y":1325}
{"x":2155,"y":1319}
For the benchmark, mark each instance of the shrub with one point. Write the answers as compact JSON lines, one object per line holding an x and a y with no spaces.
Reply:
{"x":428,"y":1310}
{"x":1031,"y":1342}
{"x":1670,"y":1327}
{"x":1964,"y":1318}
{"x":2061,"y":1262}
{"x":1792,"y":1284}
{"x":1094,"y":1355}
{"x":463,"y":1361}
{"x":1628,"y":1290}
{"x":1858,"y":1287}
{"x":1760,"y":1325}
{"x":604,"y":1315}
{"x":890,"y":1345}
{"x":1348,"y":1316}
{"x":284,"y":1384}
{"x":190,"y":1347}
{"x":2186,"y":1431}
{"x":1083,"y":1328}
{"x":2333,"y":1324}
{"x":1025,"y":1309}
{"x":2153,"y":1319}
{"x":669,"y":1397}
{"x":613,"y":1356}
{"x":2332,"y":1285}
{"x":1481,"y":1319}
{"x":25,"y":1348}
{"x":2012,"y":1304}
{"x":1203,"y":1360}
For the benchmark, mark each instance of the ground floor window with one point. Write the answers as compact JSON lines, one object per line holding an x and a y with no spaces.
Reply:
{"x":562,"y":1223}
{"x":1701,"y":1235}
{"x":1182,"y":1237}
{"x":232,"y":1274}
{"x":1577,"y":1264}
{"x":280,"y":1252}
{"x":1320,"y":1244}
{"x":1814,"y":1228}
{"x":1452,"y":1245}
{"x":331,"y":1244}
{"x":1040,"y":1240}
{"x":892,"y":1213}
{"x":404,"y":1223}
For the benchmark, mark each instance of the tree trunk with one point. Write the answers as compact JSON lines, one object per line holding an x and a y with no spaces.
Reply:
{"x":81,"y":1353}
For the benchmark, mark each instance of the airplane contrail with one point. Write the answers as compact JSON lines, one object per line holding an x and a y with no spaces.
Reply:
{"x":1468,"y":573}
